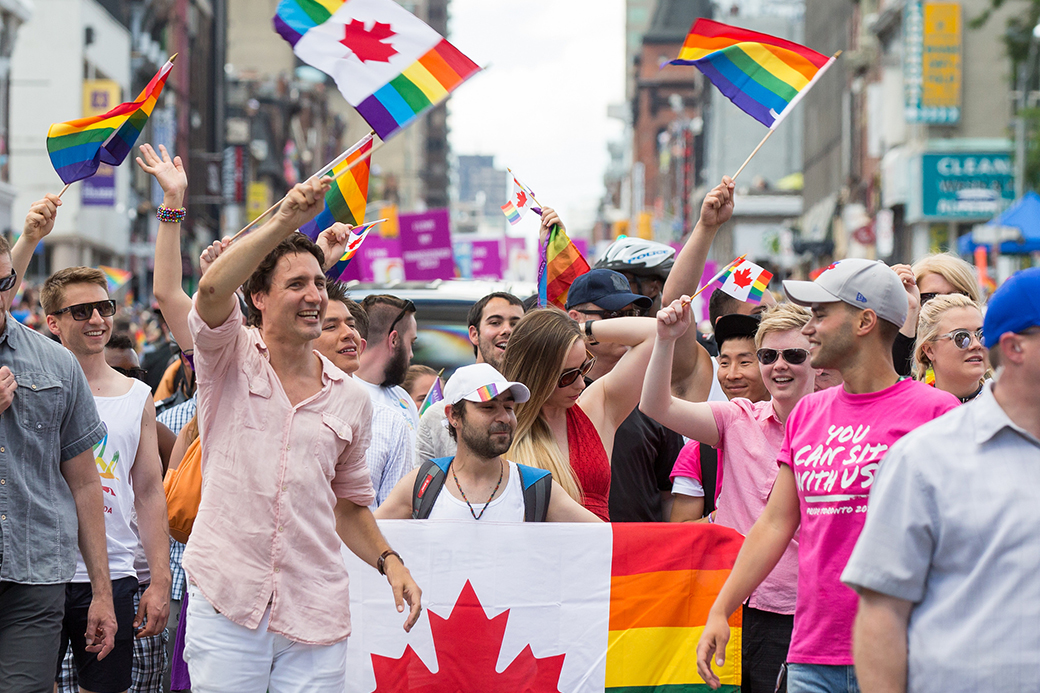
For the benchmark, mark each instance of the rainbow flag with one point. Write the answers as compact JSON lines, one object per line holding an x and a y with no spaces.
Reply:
{"x":521,"y":201}
{"x":388,"y":64}
{"x":115,"y":277}
{"x":436,"y":394}
{"x":345,"y":201}
{"x":357,"y":237}
{"x":763,"y":75}
{"x":78,"y":147}
{"x":745,"y":281}
{"x":560,"y":265}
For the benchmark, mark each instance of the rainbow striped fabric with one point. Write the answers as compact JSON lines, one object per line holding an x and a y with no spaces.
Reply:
{"x":388,"y":64}
{"x":745,"y":281}
{"x":762,"y":74}
{"x":346,"y":200}
{"x":78,"y":147}
{"x":357,"y":237}
{"x":511,"y":212}
{"x":521,"y":201}
{"x":560,"y":265}
{"x":115,"y":277}
{"x":436,"y":394}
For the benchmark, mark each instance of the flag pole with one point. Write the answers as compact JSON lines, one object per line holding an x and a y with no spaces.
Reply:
{"x":794,"y":102}
{"x":63,"y":190}
{"x":717,"y":275}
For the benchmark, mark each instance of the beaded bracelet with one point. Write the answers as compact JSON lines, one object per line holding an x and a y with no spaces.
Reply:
{"x":167,"y":215}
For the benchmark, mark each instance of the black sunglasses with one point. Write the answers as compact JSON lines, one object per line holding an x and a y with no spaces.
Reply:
{"x":8,"y":282}
{"x":962,"y":338}
{"x":792,"y":356}
{"x":409,"y":307}
{"x":568,"y":377}
{"x":138,"y":373}
{"x":928,"y":296}
{"x":608,"y":314}
{"x":84,"y":311}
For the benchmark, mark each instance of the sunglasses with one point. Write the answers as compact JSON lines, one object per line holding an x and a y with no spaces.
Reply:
{"x":8,"y":282}
{"x":84,"y":311}
{"x":928,"y":296}
{"x":608,"y":314}
{"x":138,"y":373}
{"x":792,"y":356}
{"x":962,"y":338}
{"x":568,"y":377}
{"x":409,"y":307}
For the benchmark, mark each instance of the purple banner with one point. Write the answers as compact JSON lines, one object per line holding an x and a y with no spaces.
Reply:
{"x":377,"y":260}
{"x":487,"y":259}
{"x":99,"y":189}
{"x":426,"y":245}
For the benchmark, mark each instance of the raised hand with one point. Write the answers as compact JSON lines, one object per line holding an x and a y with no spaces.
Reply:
{"x":549,"y":219}
{"x":302,"y":203}
{"x":40,"y":220}
{"x":333,"y":242}
{"x":169,"y":172}
{"x":718,"y":204}
{"x":913,"y":293}
{"x":212,"y":252}
{"x":673,"y":320}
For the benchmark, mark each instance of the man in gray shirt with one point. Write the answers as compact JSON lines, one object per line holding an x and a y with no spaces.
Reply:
{"x":946,"y":566}
{"x":50,"y":495}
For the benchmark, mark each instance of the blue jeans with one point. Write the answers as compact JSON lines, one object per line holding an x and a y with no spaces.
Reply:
{"x":821,"y":678}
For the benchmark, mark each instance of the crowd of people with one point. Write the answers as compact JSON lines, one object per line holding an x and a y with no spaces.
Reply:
{"x":874,"y":436}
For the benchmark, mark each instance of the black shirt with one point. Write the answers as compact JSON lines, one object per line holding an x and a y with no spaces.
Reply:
{"x":641,"y":464}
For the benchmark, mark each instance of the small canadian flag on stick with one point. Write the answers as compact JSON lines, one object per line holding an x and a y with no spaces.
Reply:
{"x":745,"y":281}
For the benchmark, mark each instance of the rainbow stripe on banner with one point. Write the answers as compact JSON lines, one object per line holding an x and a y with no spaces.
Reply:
{"x":511,"y":212}
{"x":762,"y":74}
{"x":78,"y":147}
{"x":346,"y":200}
{"x":115,"y":277}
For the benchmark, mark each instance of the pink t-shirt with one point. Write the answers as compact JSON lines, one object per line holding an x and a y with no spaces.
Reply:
{"x":750,"y":437}
{"x":834,"y":443}
{"x":688,"y":464}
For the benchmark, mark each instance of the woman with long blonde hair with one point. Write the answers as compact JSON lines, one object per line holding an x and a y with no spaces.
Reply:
{"x":949,"y":352}
{"x":566,"y":427}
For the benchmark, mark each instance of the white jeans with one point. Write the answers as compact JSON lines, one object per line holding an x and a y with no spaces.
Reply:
{"x":224,"y":657}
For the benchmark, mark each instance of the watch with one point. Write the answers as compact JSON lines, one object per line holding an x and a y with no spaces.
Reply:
{"x":588,"y":333}
{"x":381,"y":563}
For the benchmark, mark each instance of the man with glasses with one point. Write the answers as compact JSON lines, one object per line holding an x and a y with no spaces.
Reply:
{"x":934,"y":565}
{"x":644,"y":450}
{"x":48,"y":486}
{"x":80,"y":312}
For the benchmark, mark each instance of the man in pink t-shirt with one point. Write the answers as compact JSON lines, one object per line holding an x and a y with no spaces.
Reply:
{"x":833,"y":444}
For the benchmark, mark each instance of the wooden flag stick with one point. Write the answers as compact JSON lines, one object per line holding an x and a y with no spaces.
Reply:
{"x":67,"y":186}
{"x":752,"y":154}
{"x":717,"y":275}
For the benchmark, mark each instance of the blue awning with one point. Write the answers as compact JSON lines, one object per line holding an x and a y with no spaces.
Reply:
{"x":1023,"y":215}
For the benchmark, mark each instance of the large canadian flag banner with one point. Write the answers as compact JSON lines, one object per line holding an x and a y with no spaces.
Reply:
{"x":543,"y":608}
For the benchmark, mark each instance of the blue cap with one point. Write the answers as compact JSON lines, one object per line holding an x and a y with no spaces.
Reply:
{"x":607,"y":289}
{"x":1014,"y":307}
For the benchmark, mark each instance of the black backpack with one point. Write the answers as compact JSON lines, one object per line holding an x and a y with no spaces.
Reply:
{"x":536,"y":483}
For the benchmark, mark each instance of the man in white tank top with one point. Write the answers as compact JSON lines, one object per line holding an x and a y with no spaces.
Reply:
{"x":80,"y":311}
{"x":480,"y":483}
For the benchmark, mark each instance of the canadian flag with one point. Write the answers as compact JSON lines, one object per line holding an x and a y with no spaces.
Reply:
{"x":746,"y":282}
{"x":542,"y":608}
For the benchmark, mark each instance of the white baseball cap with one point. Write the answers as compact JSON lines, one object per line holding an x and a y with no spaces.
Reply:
{"x":858,"y":282}
{"x":480,"y":383}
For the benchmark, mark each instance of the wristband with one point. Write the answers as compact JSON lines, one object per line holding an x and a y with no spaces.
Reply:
{"x":169,"y":215}
{"x":588,"y":333}
{"x":381,"y":563}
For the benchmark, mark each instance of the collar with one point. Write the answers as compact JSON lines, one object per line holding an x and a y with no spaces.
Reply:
{"x":990,"y":418}
{"x":329,"y":370}
{"x":764,"y":411}
{"x":5,"y":336}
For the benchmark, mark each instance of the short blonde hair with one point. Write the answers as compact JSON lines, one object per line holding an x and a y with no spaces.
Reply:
{"x":781,"y":318}
{"x":951,"y":268}
{"x":928,"y":326}
{"x":52,"y":295}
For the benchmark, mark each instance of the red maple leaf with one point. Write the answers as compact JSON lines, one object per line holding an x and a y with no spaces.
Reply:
{"x":742,"y":278}
{"x":468,"y":645}
{"x":521,"y":199}
{"x":367,"y":44}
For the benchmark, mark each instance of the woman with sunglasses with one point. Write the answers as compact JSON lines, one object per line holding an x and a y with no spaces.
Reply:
{"x":566,"y":426}
{"x":748,"y":436}
{"x":949,"y":352}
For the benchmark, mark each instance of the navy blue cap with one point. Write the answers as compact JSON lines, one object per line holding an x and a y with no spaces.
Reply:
{"x":607,"y":289}
{"x":1014,"y":307}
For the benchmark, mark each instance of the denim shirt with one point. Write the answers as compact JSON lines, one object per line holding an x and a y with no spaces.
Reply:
{"x":52,"y":419}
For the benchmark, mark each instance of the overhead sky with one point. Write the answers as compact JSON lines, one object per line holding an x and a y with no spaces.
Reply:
{"x":541,"y":106}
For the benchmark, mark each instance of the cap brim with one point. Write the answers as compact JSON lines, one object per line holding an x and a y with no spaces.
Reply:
{"x":807,"y":293}
{"x":519,"y":390}
{"x":619,"y":301}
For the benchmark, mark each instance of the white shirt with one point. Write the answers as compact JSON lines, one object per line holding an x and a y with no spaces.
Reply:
{"x":508,"y":507}
{"x":397,"y":399}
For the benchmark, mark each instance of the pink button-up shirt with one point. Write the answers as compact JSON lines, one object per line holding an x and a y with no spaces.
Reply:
{"x":271,"y":475}
{"x":750,"y":437}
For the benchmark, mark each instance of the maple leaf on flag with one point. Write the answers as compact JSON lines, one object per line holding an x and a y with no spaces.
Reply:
{"x":521,"y":199}
{"x":367,"y":44}
{"x":467,"y":645}
{"x":742,"y":278}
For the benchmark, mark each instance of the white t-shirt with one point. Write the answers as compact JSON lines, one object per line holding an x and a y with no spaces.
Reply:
{"x":508,"y":507}
{"x":114,"y":457}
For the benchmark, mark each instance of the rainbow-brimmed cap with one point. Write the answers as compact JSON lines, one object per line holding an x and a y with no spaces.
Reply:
{"x":481,"y":383}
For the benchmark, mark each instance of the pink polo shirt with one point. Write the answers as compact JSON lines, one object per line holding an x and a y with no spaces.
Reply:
{"x":750,"y":438}
{"x":271,"y":476}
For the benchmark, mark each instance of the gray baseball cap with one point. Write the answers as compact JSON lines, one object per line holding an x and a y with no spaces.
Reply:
{"x":858,"y":282}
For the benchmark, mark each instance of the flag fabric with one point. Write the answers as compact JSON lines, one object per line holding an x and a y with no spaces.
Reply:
{"x":745,"y":281}
{"x":561,"y":263}
{"x":78,"y":147}
{"x":346,"y":200}
{"x":543,"y":607}
{"x":115,"y":277}
{"x":357,"y":237}
{"x":519,"y":203}
{"x":387,"y":63}
{"x":436,"y":394}
{"x":762,"y":74}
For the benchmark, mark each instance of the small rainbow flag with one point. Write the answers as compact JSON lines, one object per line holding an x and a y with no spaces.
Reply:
{"x":521,"y":201}
{"x":346,"y":200}
{"x":115,"y":277}
{"x":745,"y":281}
{"x":78,"y":147}
{"x":388,"y":64}
{"x":763,"y":75}
{"x":511,"y":212}
{"x":561,"y":264}
{"x":357,"y":237}
{"x":436,"y":394}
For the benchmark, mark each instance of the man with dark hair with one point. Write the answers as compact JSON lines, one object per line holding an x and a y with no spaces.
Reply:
{"x":49,"y":486}
{"x":269,"y":606}
{"x":491,"y":322}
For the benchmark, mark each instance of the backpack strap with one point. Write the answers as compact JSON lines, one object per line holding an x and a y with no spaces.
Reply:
{"x":537,"y":488}
{"x":428,"y":484}
{"x":709,"y":475}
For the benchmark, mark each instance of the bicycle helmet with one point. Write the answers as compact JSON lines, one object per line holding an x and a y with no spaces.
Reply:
{"x":639,"y":257}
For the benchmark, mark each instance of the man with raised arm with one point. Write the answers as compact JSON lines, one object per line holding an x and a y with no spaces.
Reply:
{"x":284,"y":434}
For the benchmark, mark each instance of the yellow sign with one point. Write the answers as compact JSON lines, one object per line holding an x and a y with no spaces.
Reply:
{"x":389,"y":228}
{"x":258,"y":199}
{"x":100,"y":96}
{"x":941,"y":59}
{"x":645,"y":226}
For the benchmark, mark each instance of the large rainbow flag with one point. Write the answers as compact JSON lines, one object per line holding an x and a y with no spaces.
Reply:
{"x":388,"y":64}
{"x":346,"y":200}
{"x":544,"y":608}
{"x":78,"y":147}
{"x":763,"y":75}
{"x":561,"y":263}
